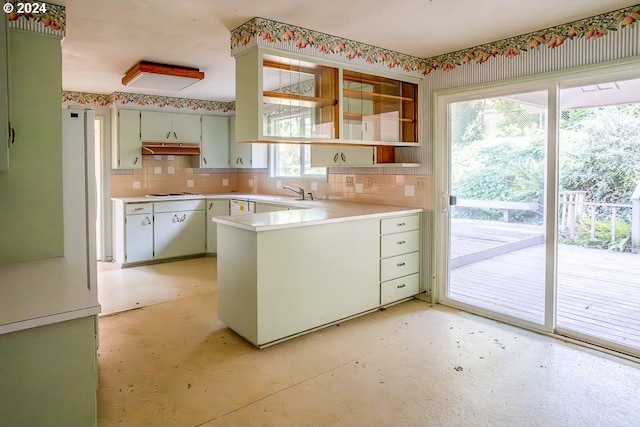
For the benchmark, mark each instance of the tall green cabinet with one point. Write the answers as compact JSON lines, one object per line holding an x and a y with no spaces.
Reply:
{"x":48,"y":302}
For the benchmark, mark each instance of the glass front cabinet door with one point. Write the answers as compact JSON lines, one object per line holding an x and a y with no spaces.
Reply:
{"x":300,"y":99}
{"x":379,"y":109}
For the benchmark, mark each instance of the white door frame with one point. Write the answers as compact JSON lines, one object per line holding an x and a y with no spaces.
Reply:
{"x":442,"y":174}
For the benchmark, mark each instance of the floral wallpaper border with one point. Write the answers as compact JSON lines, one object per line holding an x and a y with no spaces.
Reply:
{"x":83,"y":98}
{"x":265,"y":32}
{"x":139,"y":100}
{"x":52,"y":22}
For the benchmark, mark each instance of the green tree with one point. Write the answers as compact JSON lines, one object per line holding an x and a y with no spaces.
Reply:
{"x":600,"y":152}
{"x":466,"y":121}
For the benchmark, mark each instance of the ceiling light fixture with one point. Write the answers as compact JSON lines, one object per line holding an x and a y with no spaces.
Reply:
{"x":151,"y":75}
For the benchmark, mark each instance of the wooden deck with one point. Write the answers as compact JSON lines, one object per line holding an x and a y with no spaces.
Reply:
{"x":598,"y":291}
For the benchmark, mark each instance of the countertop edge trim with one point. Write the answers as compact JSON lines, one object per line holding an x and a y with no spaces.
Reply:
{"x":49,"y":319}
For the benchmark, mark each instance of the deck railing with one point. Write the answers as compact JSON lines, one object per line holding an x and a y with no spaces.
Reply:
{"x":574,"y":210}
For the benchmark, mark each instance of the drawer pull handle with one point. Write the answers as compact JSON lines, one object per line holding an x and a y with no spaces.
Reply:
{"x":400,"y":242}
{"x":401,"y":286}
{"x":401,"y":224}
{"x":138,"y":209}
{"x":400,"y":264}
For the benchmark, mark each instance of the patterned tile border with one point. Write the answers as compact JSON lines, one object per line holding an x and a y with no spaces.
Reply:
{"x":265,"y":32}
{"x":52,"y":22}
{"x":139,"y":100}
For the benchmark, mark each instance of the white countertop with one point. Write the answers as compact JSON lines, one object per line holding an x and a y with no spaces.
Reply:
{"x":306,"y":213}
{"x":313,"y":213}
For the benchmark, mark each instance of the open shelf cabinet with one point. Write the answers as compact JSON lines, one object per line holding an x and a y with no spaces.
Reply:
{"x":281,"y":98}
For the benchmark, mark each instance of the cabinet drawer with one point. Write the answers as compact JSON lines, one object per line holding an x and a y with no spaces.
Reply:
{"x":398,"y":289}
{"x":398,"y":266}
{"x":179,"y":205}
{"x":400,"y":224}
{"x":138,"y":208}
{"x":399,"y":243}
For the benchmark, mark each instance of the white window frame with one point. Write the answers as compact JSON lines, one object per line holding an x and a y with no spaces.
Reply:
{"x":274,"y":158}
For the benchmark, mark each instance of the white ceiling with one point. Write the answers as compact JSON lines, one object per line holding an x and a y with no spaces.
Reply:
{"x":107,"y":37}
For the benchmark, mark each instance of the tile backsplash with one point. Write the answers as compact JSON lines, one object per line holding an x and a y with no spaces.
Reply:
{"x":400,"y":190}
{"x":175,"y":174}
{"x":169,"y":174}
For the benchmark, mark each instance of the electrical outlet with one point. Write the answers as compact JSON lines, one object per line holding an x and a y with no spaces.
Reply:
{"x":350,"y":181}
{"x":368,"y":182}
{"x":420,"y":183}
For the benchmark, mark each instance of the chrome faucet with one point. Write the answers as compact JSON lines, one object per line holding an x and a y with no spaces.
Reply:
{"x":299,"y":190}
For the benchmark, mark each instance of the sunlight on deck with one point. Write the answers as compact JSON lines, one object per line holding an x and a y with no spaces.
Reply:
{"x":598,"y":291}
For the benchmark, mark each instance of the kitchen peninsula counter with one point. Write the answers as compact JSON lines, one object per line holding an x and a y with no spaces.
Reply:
{"x":289,"y":272}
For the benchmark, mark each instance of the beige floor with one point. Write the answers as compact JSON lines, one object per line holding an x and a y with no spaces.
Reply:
{"x":173,"y":363}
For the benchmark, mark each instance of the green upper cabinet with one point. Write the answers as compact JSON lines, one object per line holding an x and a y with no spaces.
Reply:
{"x":243,"y":155}
{"x":126,"y":144}
{"x":159,"y":126}
{"x":283,"y":98}
{"x":31,"y":211}
{"x":214,"y":150}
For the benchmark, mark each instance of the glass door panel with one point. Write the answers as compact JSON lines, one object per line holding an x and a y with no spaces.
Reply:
{"x":497,"y":255}
{"x":598,"y":289}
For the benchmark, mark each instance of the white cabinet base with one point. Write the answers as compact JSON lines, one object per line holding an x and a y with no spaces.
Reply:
{"x":277,"y":284}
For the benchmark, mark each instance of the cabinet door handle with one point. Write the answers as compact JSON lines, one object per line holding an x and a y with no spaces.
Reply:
{"x":343,"y":157}
{"x":183,"y":218}
{"x":175,"y":136}
{"x":175,"y":218}
{"x":210,"y":205}
{"x":147,"y":221}
{"x":401,"y":286}
{"x":136,"y":160}
{"x":400,"y":242}
{"x":168,"y":133}
{"x":12,"y":135}
{"x":335,"y":158}
{"x":241,"y":162}
{"x":401,"y":224}
{"x":204,"y":159}
{"x":400,"y":264}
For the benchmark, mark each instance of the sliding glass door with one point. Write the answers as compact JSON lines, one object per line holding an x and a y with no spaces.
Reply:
{"x":538,"y":207}
{"x":497,"y":238}
{"x":598,"y":284}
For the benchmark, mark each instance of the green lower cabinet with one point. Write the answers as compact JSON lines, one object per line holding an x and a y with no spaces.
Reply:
{"x":49,"y":375}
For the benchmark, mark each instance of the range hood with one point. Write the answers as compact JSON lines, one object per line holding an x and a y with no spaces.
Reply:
{"x":175,"y":148}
